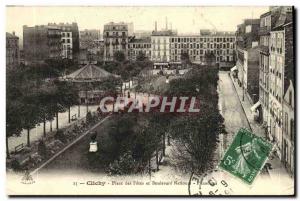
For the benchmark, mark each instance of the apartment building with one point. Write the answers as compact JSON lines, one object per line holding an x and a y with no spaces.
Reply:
{"x":69,"y":39}
{"x":115,"y":37}
{"x":289,"y":128}
{"x":160,"y":47}
{"x":267,"y":23}
{"x":221,"y":45}
{"x":139,"y":46}
{"x":87,"y":37}
{"x":12,"y":50}
{"x":281,"y":93}
{"x":248,"y":58}
{"x":41,"y":43}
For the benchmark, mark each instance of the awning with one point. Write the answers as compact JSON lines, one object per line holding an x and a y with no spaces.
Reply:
{"x":233,"y":69}
{"x":255,"y":106}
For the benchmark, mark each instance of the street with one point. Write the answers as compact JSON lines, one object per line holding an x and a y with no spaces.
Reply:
{"x":231,"y":108}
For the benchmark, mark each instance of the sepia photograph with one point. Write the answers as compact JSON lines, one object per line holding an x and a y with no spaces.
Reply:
{"x":150,"y":100}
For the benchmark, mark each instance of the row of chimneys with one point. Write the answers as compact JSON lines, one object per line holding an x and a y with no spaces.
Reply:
{"x":166,"y":24}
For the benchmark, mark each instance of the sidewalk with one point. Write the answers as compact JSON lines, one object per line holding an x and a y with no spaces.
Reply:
{"x":37,"y":132}
{"x":278,"y":172}
{"x":246,"y":104}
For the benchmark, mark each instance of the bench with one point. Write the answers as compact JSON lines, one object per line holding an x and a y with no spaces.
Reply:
{"x":19,"y":148}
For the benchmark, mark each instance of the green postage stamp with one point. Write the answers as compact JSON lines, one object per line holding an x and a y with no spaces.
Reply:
{"x":246,"y":155}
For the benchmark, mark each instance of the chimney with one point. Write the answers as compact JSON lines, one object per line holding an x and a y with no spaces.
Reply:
{"x":155,"y":25}
{"x":14,"y":33}
{"x":166,"y":23}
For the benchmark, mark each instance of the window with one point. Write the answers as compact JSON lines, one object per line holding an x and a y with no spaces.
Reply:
{"x":290,"y":98}
{"x":286,"y":123}
{"x":248,"y":28}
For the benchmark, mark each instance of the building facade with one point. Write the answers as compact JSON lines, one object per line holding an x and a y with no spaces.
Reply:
{"x":251,"y":73}
{"x":12,"y":50}
{"x":160,"y":47}
{"x":115,"y":37}
{"x":69,"y":40}
{"x":141,"y":46}
{"x":277,"y":81}
{"x":41,"y":43}
{"x":247,"y":56}
{"x":288,"y":137}
{"x":221,"y":45}
{"x":267,"y":23}
{"x":67,"y":44}
{"x":88,"y":36}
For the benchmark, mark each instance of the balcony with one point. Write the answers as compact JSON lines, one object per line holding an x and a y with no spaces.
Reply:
{"x":264,"y":31}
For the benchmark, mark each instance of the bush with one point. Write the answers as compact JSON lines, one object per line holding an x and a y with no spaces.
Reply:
{"x":42,"y":149}
{"x":89,"y":118}
{"x":125,"y":165}
{"x":60,"y":136}
{"x":15,"y":165}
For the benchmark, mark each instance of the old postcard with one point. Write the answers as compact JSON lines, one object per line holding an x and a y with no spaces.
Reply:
{"x":150,"y":101}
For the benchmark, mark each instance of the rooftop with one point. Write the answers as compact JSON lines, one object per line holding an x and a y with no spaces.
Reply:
{"x":163,"y":33}
{"x":9,"y":35}
{"x":140,"y":40}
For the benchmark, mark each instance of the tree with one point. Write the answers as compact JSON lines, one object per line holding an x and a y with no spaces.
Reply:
{"x":185,"y":59}
{"x":30,"y":117}
{"x":141,"y":56}
{"x":196,"y":135}
{"x":13,"y":105}
{"x":13,"y":121}
{"x":210,"y":58}
{"x":196,"y":138}
{"x":119,"y":56}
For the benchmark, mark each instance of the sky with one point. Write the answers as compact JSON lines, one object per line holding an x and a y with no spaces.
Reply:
{"x":184,"y":19}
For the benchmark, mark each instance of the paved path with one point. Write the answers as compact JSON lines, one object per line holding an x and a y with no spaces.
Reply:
{"x":75,"y":158}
